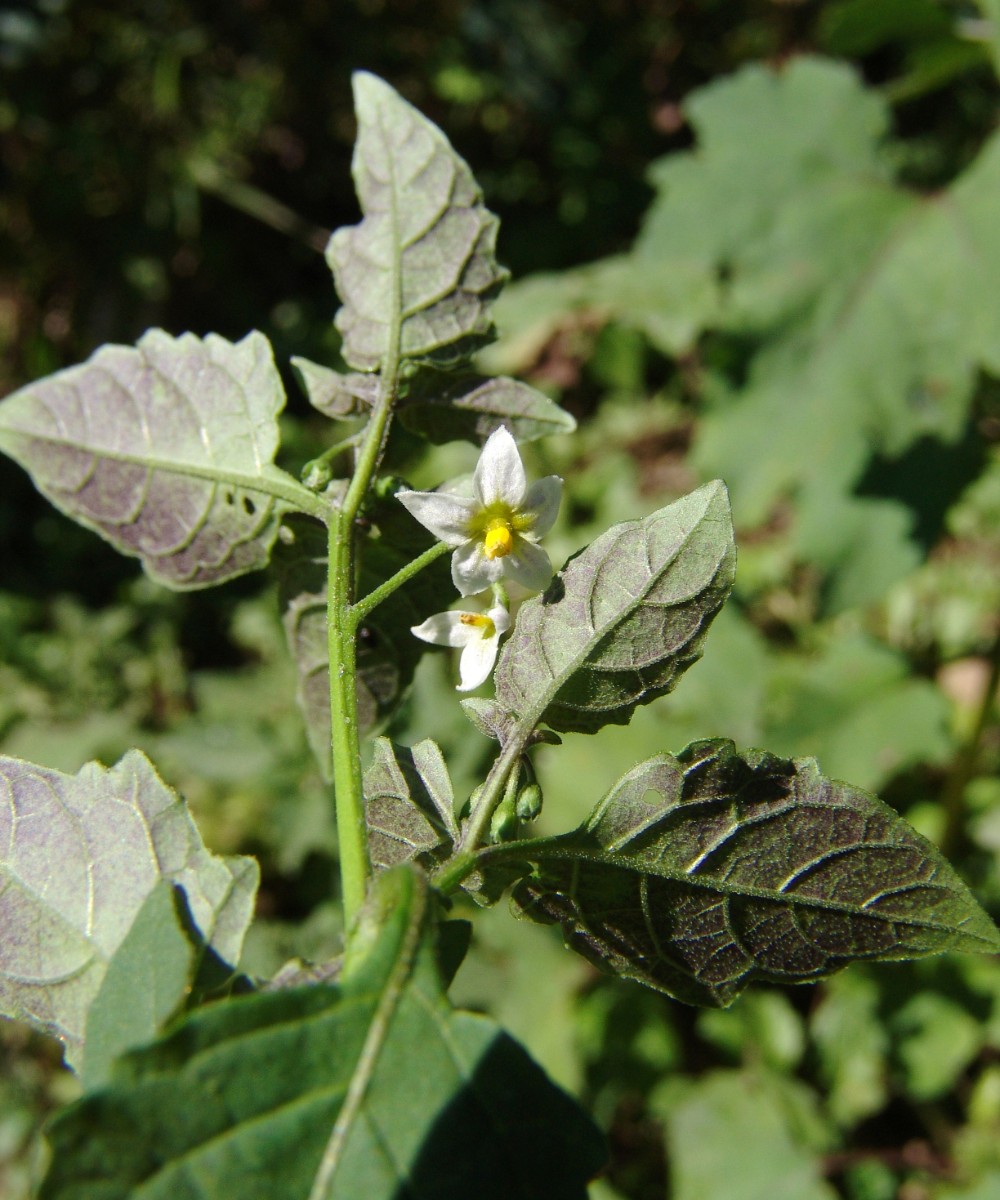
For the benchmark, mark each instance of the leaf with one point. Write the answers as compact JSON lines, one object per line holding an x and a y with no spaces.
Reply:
{"x":729,"y":1137}
{"x":700,"y":873}
{"x":388,"y":652}
{"x":333,"y":393}
{"x":372,"y":1088}
{"x":623,"y":619}
{"x":876,"y":305}
{"x":81,"y":855}
{"x":416,"y":277}
{"x":147,"y":980}
{"x":409,"y":803}
{"x":446,"y":408}
{"x":165,"y":449}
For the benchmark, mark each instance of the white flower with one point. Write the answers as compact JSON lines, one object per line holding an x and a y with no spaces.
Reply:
{"x":495,"y":531}
{"x":478,"y":634}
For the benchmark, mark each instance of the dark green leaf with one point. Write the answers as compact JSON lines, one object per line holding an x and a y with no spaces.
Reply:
{"x":166,"y":449}
{"x":409,"y":802}
{"x":417,"y":275}
{"x":700,"y":873}
{"x":623,"y":619}
{"x":81,"y":855}
{"x":446,"y":408}
{"x":374,"y":1088}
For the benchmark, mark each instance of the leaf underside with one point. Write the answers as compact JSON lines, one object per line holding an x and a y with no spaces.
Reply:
{"x":363,"y":1089}
{"x":81,"y":855}
{"x":623,"y":620}
{"x":409,"y":803}
{"x":445,"y":408}
{"x":418,"y":273}
{"x":165,"y":448}
{"x":703,"y":872}
{"x":387,"y":653}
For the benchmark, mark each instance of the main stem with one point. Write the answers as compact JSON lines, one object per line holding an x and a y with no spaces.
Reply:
{"x":345,"y":742}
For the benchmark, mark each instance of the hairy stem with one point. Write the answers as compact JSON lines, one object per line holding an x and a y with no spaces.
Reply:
{"x":352,"y":834}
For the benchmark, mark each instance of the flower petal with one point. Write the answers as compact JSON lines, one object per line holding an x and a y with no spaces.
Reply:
{"x":499,"y":475}
{"x":500,"y":618}
{"x":477,"y":661}
{"x":472,"y":571}
{"x":541,"y":504}
{"x":528,"y":564}
{"x":446,"y":516}
{"x":447,"y":629}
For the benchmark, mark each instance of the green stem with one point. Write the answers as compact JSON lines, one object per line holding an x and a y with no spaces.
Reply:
{"x":352,"y":833}
{"x":490,"y":797}
{"x":363,"y":607}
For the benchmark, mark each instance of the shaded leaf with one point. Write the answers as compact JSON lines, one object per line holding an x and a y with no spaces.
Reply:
{"x":388,"y":652}
{"x":166,"y":449}
{"x":446,"y":408}
{"x":409,"y":802}
{"x":81,"y":855}
{"x":333,"y":393}
{"x":622,"y":620}
{"x":296,"y":1094}
{"x":417,"y":275}
{"x":700,"y":873}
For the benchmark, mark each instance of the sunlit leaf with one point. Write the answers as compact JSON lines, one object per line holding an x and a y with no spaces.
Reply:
{"x":417,"y":275}
{"x":700,"y":873}
{"x":623,"y":619}
{"x":166,"y":449}
{"x":729,"y":1137}
{"x":372,"y":1088}
{"x":333,"y":393}
{"x":81,"y":854}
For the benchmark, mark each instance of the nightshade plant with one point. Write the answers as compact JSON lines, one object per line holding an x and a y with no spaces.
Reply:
{"x":699,"y":872}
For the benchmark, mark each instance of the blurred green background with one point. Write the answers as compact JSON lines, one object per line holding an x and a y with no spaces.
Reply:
{"x":802,"y":295}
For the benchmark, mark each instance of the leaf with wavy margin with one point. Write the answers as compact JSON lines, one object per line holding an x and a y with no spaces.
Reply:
{"x":623,"y":620}
{"x":700,"y":873}
{"x":79,"y":856}
{"x":166,"y":449}
{"x":372,"y":1089}
{"x":417,"y":275}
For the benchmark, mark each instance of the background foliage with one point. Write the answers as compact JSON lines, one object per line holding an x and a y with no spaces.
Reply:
{"x":813,"y":256}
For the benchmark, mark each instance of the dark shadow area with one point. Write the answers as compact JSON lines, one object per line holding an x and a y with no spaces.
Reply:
{"x":509,"y":1134}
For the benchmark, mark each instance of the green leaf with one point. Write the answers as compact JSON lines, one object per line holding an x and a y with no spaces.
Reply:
{"x":147,"y":980}
{"x":416,"y":277}
{"x":730,"y":1137}
{"x":623,"y":619}
{"x":165,"y":449}
{"x":445,"y":408}
{"x":333,"y":393}
{"x":700,"y":873}
{"x":409,"y":803}
{"x":372,"y":1088}
{"x":81,"y":856}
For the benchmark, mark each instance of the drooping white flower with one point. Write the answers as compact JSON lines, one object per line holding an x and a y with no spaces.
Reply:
{"x":495,"y":532}
{"x":478,"y":634}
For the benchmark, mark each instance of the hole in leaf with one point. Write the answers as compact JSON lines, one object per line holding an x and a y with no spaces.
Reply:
{"x":248,"y":506}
